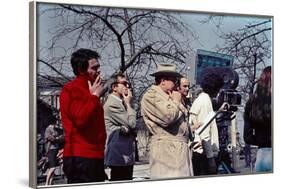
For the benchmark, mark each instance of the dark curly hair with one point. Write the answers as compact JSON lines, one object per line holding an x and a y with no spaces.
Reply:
{"x":79,"y":60}
{"x":211,"y":82}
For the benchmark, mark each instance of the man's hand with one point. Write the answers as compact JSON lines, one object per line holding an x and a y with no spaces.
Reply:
{"x":224,"y":107}
{"x":60,"y":154}
{"x":176,"y":96}
{"x":124,"y":130}
{"x":196,"y":126}
{"x":96,"y":88}
{"x":128,"y":98}
{"x":51,"y":138}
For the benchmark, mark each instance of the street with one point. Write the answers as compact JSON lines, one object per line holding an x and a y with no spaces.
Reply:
{"x":141,"y":172}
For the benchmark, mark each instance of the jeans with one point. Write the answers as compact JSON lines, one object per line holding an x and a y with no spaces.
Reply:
{"x":264,"y":160}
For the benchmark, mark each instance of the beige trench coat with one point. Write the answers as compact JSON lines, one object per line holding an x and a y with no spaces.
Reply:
{"x":165,"y":119}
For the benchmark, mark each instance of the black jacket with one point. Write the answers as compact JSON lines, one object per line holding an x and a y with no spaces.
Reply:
{"x":257,"y":124}
{"x":259,"y":136}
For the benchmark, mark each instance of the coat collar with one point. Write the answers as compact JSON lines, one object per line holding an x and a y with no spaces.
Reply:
{"x":160,"y":91}
{"x":115,"y":97}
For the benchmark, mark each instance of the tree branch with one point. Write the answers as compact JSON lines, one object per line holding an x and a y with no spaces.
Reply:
{"x":134,"y":57}
{"x":248,"y":36}
{"x":258,"y":24}
{"x":110,"y":26}
{"x":54,"y":69}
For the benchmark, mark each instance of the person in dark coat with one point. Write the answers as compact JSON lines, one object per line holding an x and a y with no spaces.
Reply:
{"x":257,"y":118}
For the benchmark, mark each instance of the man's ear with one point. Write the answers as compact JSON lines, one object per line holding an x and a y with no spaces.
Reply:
{"x":113,"y":87}
{"x":80,"y":72}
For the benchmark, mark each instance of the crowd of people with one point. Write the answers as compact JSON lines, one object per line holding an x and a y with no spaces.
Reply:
{"x":102,"y":134}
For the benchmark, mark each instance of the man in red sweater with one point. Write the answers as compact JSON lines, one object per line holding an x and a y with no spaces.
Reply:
{"x":83,"y":120}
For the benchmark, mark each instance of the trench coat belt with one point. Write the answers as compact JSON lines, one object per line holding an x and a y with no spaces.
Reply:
{"x":170,"y":138}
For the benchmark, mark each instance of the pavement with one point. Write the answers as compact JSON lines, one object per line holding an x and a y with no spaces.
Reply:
{"x":141,"y":172}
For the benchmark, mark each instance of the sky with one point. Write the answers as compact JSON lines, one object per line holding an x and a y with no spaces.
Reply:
{"x":207,"y":34}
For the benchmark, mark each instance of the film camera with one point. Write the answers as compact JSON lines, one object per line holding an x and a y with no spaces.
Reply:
{"x":228,"y":92}
{"x":230,"y":95}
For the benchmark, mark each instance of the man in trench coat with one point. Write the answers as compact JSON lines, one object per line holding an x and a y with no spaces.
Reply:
{"x":165,"y":117}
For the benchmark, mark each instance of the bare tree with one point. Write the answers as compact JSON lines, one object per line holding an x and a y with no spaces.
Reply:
{"x":130,"y":41}
{"x":251,"y":47}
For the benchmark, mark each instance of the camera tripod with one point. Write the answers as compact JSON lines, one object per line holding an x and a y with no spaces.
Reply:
{"x":227,"y":164}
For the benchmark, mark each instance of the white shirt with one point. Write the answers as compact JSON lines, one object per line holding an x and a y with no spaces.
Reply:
{"x":199,"y":110}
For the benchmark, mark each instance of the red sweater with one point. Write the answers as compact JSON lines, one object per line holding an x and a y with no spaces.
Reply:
{"x":83,"y":120}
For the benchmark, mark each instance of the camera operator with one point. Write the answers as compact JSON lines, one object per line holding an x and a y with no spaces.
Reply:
{"x":204,"y":160}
